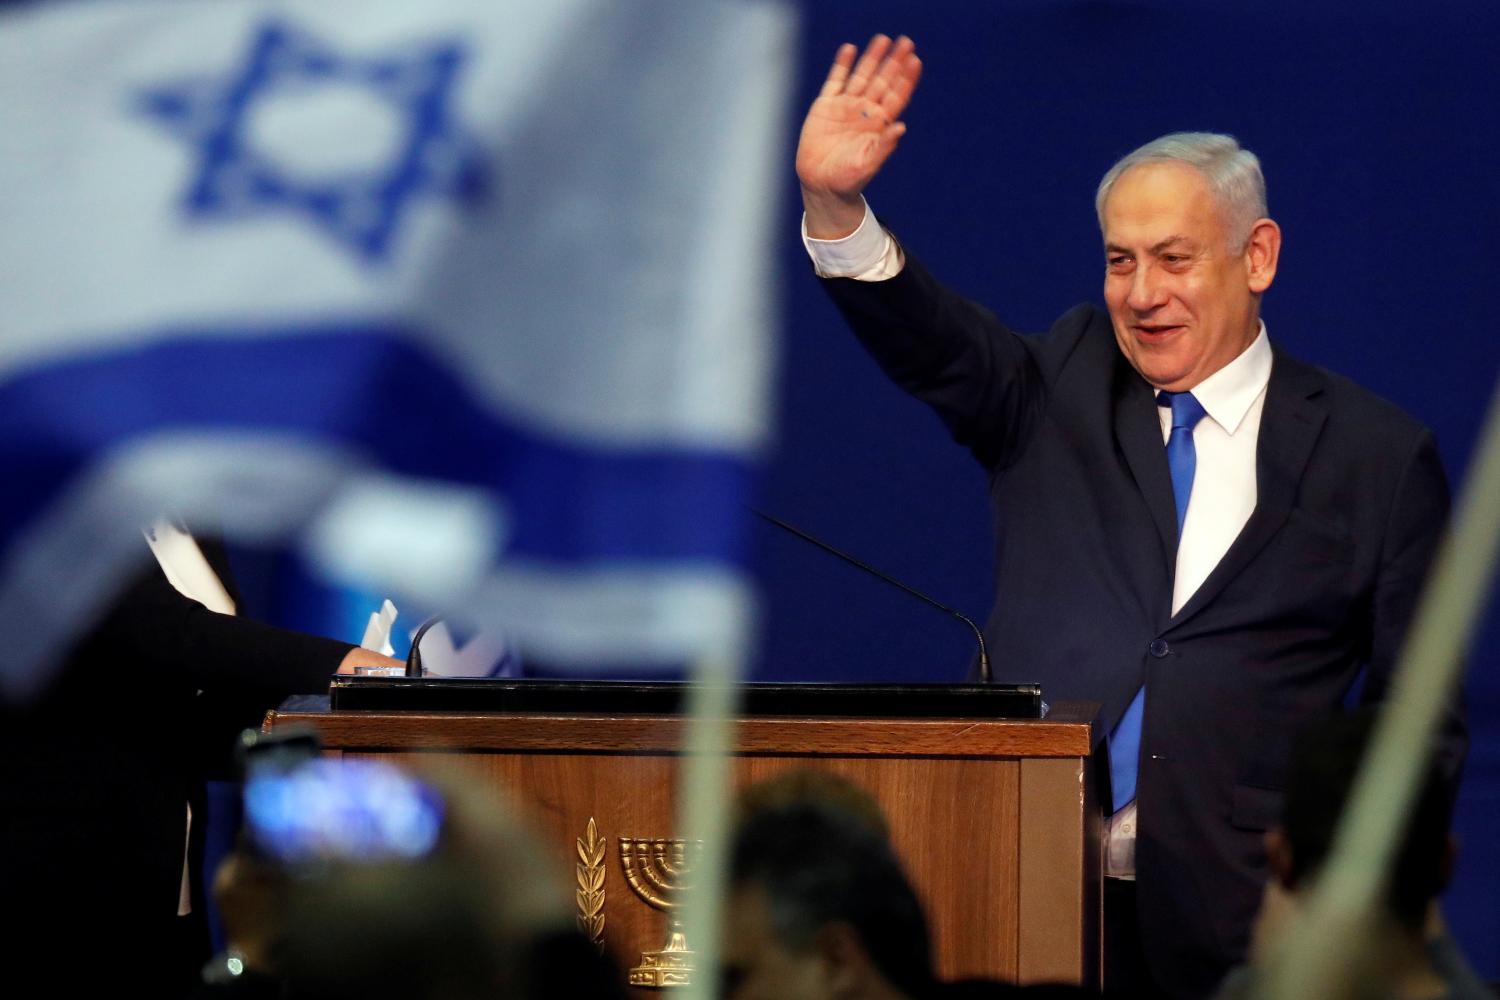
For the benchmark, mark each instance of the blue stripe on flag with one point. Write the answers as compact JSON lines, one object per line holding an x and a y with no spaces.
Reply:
{"x":370,"y":388}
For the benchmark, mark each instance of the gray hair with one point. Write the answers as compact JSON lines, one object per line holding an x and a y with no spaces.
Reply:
{"x":1233,"y":176}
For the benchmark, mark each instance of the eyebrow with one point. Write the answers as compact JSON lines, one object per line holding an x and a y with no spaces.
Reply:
{"x":1165,"y":244}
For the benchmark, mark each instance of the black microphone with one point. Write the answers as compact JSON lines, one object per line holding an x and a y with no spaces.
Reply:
{"x":984,"y":656}
{"x":414,"y":658}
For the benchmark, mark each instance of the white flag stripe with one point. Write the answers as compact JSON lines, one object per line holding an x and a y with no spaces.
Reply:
{"x":436,"y":556}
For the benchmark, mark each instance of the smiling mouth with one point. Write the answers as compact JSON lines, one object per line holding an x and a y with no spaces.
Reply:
{"x":1155,"y":333}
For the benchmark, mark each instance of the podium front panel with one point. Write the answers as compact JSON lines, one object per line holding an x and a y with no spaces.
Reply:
{"x":995,"y":820}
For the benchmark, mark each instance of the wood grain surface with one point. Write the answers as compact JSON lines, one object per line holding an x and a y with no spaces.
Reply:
{"x":966,"y":799}
{"x":1064,"y":733}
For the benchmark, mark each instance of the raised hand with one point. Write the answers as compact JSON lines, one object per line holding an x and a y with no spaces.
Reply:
{"x":851,"y":129}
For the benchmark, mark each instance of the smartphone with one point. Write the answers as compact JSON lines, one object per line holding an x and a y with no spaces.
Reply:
{"x":302,"y":808}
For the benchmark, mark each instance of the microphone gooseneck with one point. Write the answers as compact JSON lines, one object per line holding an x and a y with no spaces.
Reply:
{"x":414,"y":658}
{"x":984,"y":656}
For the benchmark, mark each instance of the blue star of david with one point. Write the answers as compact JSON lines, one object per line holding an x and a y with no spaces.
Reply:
{"x":361,"y":209}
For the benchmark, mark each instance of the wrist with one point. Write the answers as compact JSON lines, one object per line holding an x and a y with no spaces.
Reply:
{"x":830,"y":215}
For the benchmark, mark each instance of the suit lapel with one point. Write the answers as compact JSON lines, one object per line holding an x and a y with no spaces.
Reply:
{"x":1290,"y":422}
{"x":1138,"y":433}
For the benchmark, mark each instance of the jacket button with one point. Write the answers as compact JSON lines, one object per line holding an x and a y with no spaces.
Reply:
{"x":1158,"y":648}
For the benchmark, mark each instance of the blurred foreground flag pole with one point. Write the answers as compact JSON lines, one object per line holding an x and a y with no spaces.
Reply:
{"x":1327,"y":952}
{"x":473,"y":300}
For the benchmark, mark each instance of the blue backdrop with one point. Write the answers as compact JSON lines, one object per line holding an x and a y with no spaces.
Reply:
{"x":1376,"y":126}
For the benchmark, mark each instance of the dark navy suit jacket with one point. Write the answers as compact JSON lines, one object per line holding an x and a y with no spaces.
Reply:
{"x":98,"y":772}
{"x":1320,"y":584}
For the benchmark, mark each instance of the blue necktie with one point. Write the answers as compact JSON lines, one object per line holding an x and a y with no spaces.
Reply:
{"x":1182,"y":462}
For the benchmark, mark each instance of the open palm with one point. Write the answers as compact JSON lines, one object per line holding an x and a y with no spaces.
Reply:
{"x":853,"y":126}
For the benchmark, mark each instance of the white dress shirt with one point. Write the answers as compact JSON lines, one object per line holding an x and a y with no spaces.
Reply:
{"x":1224,"y":490}
{"x":867,"y":254}
{"x":1223,"y":497}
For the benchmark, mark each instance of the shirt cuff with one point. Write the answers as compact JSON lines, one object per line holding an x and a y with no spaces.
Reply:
{"x":867,"y":254}
{"x":1119,"y":842}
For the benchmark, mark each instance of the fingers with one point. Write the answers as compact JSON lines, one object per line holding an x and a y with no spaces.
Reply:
{"x":869,"y":63}
{"x":898,"y":94}
{"x":843,"y":61}
{"x":892,"y":69}
{"x":886,"y":74}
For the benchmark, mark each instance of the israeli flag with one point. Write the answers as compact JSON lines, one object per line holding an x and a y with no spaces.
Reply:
{"x":473,"y":298}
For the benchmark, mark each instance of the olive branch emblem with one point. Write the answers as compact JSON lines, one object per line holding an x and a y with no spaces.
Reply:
{"x":590,"y":892}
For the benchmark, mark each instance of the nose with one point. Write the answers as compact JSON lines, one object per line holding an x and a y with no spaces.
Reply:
{"x":1146,"y":290}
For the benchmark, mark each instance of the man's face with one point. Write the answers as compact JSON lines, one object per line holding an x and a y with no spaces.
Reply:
{"x":1182,"y":305}
{"x":757,"y":966}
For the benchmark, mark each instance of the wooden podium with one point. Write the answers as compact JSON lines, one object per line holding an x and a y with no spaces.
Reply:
{"x":994,"y":818}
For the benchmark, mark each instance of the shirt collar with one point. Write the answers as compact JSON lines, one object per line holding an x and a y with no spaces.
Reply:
{"x":1227,"y":394}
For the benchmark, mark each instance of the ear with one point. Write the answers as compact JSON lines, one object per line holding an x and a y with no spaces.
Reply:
{"x":1261,"y":254}
{"x":1279,"y":857}
{"x":846,"y":962}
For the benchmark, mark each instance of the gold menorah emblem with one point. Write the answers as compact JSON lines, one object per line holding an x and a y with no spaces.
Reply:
{"x":659,"y":870}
